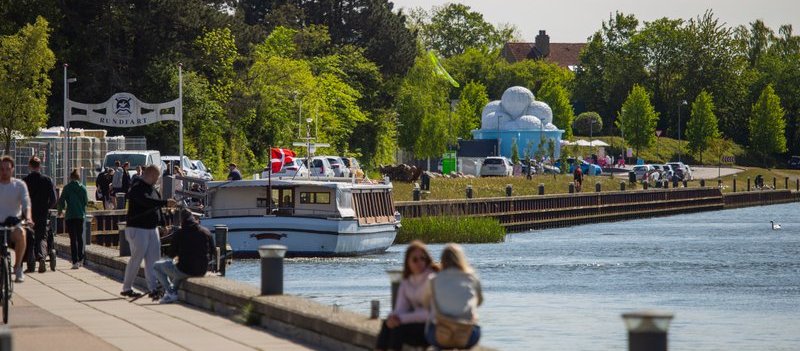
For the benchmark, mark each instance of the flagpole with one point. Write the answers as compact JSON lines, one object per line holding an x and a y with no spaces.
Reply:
{"x":180,"y":113}
{"x":269,"y":183}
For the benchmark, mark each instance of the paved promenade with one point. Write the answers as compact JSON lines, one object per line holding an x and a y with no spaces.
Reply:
{"x":82,"y":310}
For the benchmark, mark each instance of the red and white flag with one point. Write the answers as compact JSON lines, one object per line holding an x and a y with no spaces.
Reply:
{"x":280,"y":157}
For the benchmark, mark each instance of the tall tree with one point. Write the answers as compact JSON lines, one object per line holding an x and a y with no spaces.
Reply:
{"x":702,"y":126}
{"x":587,"y":123}
{"x":422,"y":107}
{"x":471,"y":102}
{"x":25,"y":62}
{"x":767,"y":125}
{"x":638,"y":119}
{"x":453,"y":28}
{"x":557,"y":97}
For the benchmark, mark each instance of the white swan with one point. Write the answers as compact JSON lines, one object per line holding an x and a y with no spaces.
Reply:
{"x":775,"y":226}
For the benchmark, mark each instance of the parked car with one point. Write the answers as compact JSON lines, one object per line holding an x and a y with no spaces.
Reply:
{"x":665,"y":171}
{"x":646,"y":172}
{"x":320,"y":167}
{"x":682,"y":170}
{"x":497,"y":166}
{"x":135,"y":158}
{"x":586,"y":167}
{"x":794,"y":162}
{"x":295,"y":168}
{"x":186,"y":165}
{"x":205,"y":173}
{"x":339,"y":167}
{"x":354,"y":167}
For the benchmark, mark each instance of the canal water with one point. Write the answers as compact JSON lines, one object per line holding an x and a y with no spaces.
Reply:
{"x":732,"y":282}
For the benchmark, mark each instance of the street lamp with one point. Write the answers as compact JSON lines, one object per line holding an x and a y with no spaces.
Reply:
{"x":683,"y":103}
{"x":67,"y":113}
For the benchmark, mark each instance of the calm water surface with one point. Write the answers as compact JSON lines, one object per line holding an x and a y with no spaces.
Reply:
{"x":732,"y":282}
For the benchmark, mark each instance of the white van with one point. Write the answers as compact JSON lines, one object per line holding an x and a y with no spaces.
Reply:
{"x":134,"y":158}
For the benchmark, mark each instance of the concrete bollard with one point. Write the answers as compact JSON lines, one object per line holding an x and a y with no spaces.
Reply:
{"x":645,"y":185}
{"x":734,"y":183}
{"x":702,"y":183}
{"x":597,"y":187}
{"x":541,"y":188}
{"x":395,"y":276}
{"x":571,"y":188}
{"x":272,"y":269}
{"x":509,"y":189}
{"x":124,"y":246}
{"x":748,"y":183}
{"x":774,"y":183}
{"x":120,"y":201}
{"x":674,"y":182}
{"x":621,"y":186}
{"x":786,"y":183}
{"x":647,"y":330}
{"x":221,"y":239}
{"x":87,"y":230}
{"x":375,"y":309}
{"x":469,"y":191}
{"x":797,"y":186}
{"x":6,"y":339}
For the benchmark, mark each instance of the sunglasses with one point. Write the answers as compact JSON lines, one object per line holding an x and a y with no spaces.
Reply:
{"x":416,"y":259}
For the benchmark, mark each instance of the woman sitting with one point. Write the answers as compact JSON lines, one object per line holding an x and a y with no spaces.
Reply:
{"x":455,"y":297}
{"x":406,"y":324}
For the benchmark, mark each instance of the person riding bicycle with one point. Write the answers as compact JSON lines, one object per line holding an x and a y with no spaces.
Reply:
{"x":578,"y":176}
{"x":42,"y":192}
{"x":14,"y":204}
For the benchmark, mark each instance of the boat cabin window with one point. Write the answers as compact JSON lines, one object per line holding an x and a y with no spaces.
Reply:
{"x":315,"y":198}
{"x":283,"y":198}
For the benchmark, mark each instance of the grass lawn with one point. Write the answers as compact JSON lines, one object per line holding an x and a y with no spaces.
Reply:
{"x":449,"y":188}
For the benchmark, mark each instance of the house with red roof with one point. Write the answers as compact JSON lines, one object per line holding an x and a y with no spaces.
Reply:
{"x":563,"y":54}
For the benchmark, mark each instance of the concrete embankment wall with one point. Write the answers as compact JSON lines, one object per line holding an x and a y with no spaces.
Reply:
{"x":536,"y":212}
{"x":292,"y":316}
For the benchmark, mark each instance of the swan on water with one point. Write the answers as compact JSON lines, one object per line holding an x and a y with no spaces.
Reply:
{"x":775,"y":226}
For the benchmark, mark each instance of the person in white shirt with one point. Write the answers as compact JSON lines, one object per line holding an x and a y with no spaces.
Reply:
{"x":15,"y":204}
{"x":406,"y":324}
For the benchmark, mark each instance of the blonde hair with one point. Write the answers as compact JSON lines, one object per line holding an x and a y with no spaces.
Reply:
{"x":453,"y":256}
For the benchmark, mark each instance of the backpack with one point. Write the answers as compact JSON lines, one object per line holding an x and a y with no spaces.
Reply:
{"x":116,"y":182}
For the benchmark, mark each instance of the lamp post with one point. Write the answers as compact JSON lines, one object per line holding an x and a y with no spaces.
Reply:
{"x":647,"y":330}
{"x":683,"y":103}
{"x":67,"y":113}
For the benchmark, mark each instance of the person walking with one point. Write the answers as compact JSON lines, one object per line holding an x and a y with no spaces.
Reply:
{"x":234,"y":174}
{"x":144,"y":214}
{"x":42,"y":192}
{"x":406,"y":324}
{"x":74,"y":198}
{"x":126,"y":177}
{"x":455,"y":294}
{"x":577,"y":176}
{"x":103,"y":184}
{"x":15,"y":204}
{"x":194,"y":247}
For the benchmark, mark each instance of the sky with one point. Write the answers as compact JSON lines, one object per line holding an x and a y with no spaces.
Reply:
{"x":573,"y":21}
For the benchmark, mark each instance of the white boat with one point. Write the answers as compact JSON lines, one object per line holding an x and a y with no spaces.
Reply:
{"x":319,"y":217}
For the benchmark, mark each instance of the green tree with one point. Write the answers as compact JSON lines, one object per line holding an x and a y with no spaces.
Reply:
{"x":453,"y":28}
{"x":588,"y":123}
{"x":468,"y":110}
{"x":638,"y":119}
{"x":514,"y":151}
{"x":25,"y":61}
{"x":767,"y":125}
{"x":423,"y":108}
{"x":557,"y":97}
{"x":702,"y":126}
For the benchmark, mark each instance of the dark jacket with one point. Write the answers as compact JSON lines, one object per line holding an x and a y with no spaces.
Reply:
{"x":194,"y":247}
{"x":144,"y":206}
{"x":126,"y":182}
{"x":103,"y":182}
{"x":42,"y":193}
{"x":235,"y":175}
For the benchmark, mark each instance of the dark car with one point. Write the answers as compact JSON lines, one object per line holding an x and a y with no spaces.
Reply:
{"x":794,"y":162}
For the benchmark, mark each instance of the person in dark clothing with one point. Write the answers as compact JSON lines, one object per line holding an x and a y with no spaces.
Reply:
{"x":577,"y":175}
{"x":194,"y":248}
{"x":126,"y":178}
{"x":103,"y":184}
{"x":43,"y":197}
{"x":234,"y":174}
{"x":144,"y":214}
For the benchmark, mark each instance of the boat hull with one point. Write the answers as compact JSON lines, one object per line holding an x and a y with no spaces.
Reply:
{"x":304,"y":236}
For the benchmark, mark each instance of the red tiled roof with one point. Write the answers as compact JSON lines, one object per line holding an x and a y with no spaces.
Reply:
{"x":562,"y":54}
{"x":565,"y":54}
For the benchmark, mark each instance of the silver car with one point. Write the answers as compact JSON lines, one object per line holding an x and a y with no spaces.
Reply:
{"x":497,"y":166}
{"x":338,"y":165}
{"x":320,"y":167}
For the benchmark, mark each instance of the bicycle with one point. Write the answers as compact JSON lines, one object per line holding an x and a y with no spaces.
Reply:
{"x":6,"y":271}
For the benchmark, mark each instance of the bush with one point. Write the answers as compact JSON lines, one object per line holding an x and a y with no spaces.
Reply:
{"x":450,"y":230}
{"x":583,"y":124}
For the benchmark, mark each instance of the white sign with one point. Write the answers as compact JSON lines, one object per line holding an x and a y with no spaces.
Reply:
{"x":123,"y":110}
